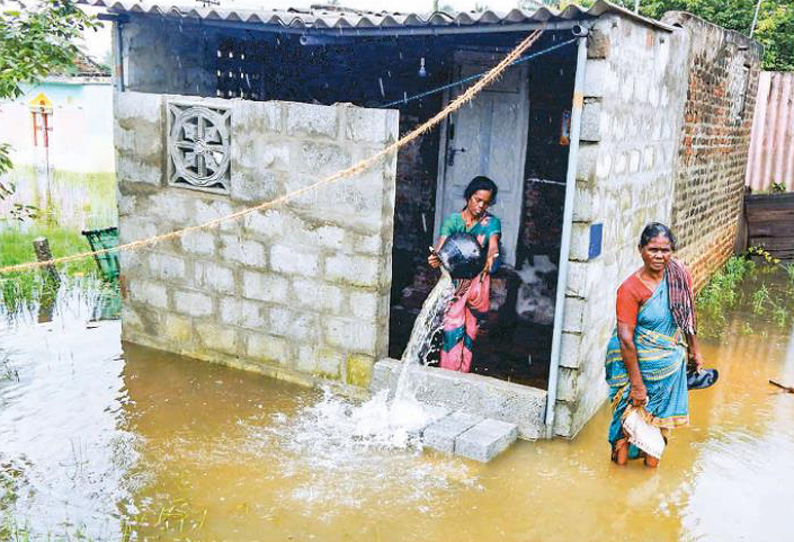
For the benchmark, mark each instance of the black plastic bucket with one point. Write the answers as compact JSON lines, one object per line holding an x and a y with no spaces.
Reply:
{"x":462,"y":256}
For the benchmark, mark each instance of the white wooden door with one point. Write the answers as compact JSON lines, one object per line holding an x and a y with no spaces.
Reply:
{"x":487,"y":136}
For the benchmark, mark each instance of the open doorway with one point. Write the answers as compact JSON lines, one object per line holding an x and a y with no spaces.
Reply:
{"x":517,"y":133}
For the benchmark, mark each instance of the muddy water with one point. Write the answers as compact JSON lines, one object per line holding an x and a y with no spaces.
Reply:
{"x":120,"y":442}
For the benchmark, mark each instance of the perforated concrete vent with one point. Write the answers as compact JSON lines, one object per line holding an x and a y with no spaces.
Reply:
{"x":199,"y":147}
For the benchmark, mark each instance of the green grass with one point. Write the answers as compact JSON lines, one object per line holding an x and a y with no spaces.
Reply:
{"x":764,"y":289}
{"x":16,"y":247}
{"x":76,"y":199}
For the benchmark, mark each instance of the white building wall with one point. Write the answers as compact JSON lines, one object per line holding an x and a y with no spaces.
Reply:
{"x":81,"y":139}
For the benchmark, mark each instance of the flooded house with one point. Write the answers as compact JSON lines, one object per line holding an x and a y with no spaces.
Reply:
{"x":609,"y":121}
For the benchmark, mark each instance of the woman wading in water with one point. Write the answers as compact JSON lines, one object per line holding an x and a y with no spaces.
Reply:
{"x":472,"y":297}
{"x":646,"y":357}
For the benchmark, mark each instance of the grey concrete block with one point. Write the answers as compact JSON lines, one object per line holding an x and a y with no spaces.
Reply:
{"x":151,"y":293}
{"x":311,"y":120}
{"x":441,"y":435}
{"x":591,"y":122}
{"x":486,"y":440}
{"x":193,"y":303}
{"x":434,"y":414}
{"x":356,"y":270}
{"x":351,"y":335}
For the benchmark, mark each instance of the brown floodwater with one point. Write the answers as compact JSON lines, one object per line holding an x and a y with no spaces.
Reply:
{"x":118,"y":442}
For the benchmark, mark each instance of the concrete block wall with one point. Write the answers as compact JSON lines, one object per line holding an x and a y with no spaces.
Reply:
{"x":723,"y":68}
{"x":298,"y":292}
{"x":634,"y":90}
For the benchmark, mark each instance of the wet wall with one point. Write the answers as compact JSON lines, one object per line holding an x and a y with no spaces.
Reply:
{"x":723,"y":73}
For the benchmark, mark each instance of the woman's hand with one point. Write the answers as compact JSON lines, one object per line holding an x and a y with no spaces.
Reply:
{"x":489,"y":263}
{"x":697,"y":360}
{"x":433,"y":260}
{"x":638,"y":394}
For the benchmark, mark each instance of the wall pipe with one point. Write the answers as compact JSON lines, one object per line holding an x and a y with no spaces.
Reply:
{"x":567,"y":226}
{"x":119,"y":54}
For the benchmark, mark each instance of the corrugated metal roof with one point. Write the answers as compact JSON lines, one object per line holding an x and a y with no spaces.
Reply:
{"x":349,"y":19}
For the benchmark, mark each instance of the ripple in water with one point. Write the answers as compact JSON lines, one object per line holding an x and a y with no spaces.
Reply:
{"x":342,"y":456}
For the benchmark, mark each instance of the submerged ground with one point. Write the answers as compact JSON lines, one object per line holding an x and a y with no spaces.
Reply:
{"x":115,"y":442}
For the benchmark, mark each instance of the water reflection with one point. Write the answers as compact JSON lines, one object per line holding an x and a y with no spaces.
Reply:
{"x":119,"y":441}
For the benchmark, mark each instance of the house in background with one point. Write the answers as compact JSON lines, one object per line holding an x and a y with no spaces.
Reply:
{"x":611,"y":120}
{"x":65,"y":122}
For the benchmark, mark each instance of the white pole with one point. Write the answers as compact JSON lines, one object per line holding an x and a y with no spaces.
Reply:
{"x":755,"y":17}
{"x":565,"y":242}
{"x":637,"y":6}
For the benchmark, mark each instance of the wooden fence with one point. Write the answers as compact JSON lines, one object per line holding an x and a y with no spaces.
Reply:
{"x":770,"y":223}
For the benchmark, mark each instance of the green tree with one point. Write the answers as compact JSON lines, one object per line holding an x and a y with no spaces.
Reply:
{"x":33,"y":42}
{"x":774,"y":30}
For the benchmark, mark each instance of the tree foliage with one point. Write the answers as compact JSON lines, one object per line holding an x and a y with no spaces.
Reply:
{"x":774,"y":29}
{"x":34,"y":42}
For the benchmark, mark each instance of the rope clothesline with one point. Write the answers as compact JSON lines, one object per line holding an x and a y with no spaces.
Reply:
{"x":360,"y":167}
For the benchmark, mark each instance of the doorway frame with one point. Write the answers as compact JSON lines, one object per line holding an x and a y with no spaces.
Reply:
{"x":461,"y":55}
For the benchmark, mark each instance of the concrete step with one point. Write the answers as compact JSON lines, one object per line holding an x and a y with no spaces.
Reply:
{"x":479,"y":395}
{"x":442,"y":435}
{"x":486,"y":440}
{"x":434,"y":413}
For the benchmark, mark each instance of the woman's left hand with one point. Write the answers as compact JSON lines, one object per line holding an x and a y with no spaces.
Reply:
{"x":697,"y":359}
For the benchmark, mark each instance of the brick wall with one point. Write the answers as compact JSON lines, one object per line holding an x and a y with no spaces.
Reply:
{"x":723,"y":69}
{"x":300,"y":292}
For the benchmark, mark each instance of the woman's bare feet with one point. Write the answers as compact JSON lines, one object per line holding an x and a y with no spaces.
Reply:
{"x":651,"y":461}
{"x":620,"y":453}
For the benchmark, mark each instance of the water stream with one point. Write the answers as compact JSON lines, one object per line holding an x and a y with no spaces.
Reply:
{"x":108,"y":440}
{"x":388,"y":420}
{"x":428,"y":322}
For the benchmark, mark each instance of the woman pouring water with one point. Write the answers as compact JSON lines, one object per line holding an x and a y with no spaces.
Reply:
{"x":472,"y":297}
{"x":647,"y":355}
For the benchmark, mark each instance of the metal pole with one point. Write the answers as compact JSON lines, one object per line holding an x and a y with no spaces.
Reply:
{"x":755,"y":17}
{"x":567,"y":224}
{"x":637,"y":6}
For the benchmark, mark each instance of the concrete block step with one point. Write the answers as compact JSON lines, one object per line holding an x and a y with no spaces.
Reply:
{"x":434,"y":414}
{"x":486,"y":440}
{"x":441,"y":435}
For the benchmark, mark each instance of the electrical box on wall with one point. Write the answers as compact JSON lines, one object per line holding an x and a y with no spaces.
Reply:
{"x":596,"y":240}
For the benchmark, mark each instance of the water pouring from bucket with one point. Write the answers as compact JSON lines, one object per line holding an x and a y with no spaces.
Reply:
{"x":461,"y":257}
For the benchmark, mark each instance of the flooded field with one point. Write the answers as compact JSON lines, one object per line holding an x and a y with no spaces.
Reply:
{"x":106,"y":441}
{"x":79,"y":201}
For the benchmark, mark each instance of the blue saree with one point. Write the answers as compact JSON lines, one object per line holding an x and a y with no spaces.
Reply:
{"x":662,"y":360}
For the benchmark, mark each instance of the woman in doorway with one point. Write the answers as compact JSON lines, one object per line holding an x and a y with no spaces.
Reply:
{"x":646,"y":357}
{"x":472,"y":297}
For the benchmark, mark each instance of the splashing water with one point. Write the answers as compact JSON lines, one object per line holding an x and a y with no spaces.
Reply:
{"x":334,"y":449}
{"x":353,"y":440}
